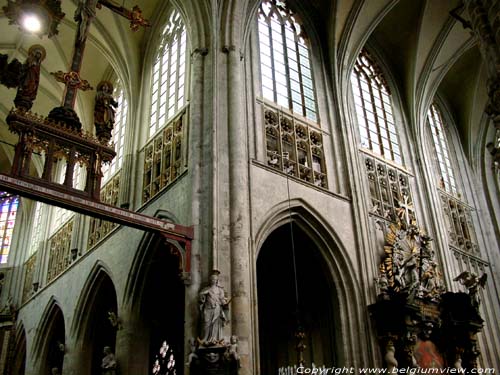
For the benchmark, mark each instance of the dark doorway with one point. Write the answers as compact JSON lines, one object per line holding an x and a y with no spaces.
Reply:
{"x":101,"y":329}
{"x":278,"y":318}
{"x":19,"y":361}
{"x":55,"y":342}
{"x":163,"y":309}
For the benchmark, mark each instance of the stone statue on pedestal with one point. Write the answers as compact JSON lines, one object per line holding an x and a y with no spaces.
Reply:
{"x":213,"y":355}
{"x":213,"y":304}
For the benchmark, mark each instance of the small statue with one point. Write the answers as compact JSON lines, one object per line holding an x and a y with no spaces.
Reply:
{"x":382,"y":286}
{"x":108,"y":364}
{"x":114,"y":320}
{"x":212,"y":305}
{"x":472,"y":282}
{"x":104,"y":111}
{"x":84,"y":15}
{"x":55,"y":371}
{"x":233,"y":350}
{"x":192,"y":354}
{"x":171,"y":365}
{"x":390,"y":358}
{"x":30,"y":78}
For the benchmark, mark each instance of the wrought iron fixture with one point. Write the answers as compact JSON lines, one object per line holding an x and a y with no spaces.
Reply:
{"x":299,"y":334}
{"x":39,"y":17}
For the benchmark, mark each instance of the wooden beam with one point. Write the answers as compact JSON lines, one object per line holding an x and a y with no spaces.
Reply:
{"x":92,"y":208}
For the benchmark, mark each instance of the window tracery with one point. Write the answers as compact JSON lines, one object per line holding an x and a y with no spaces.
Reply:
{"x":294,"y":147}
{"x":164,"y":157}
{"x":169,"y":74}
{"x":374,"y":111}
{"x":285,"y":63}
{"x":8,"y":210}
{"x":59,"y":251}
{"x":389,"y":190}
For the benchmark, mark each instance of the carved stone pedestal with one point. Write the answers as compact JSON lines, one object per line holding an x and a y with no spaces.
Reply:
{"x":214,"y":360}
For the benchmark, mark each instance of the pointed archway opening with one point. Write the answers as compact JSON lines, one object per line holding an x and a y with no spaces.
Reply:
{"x":97,"y":328}
{"x":54,"y":346}
{"x":19,"y":359}
{"x":277,"y":302}
{"x":162,"y":309}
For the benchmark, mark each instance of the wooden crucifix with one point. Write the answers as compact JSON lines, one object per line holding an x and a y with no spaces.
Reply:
{"x":84,"y":15}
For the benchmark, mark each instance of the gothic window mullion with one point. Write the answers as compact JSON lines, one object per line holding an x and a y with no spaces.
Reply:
{"x":365,"y":114}
{"x":287,"y":68}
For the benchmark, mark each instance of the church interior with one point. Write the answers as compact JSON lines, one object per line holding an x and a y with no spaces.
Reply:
{"x":255,"y":187}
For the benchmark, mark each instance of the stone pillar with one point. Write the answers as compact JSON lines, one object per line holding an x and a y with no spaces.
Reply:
{"x":239,"y":215}
{"x":199,"y":155}
{"x":485,"y":23}
{"x":132,"y":344}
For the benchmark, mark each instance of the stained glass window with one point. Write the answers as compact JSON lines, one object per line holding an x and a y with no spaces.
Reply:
{"x":9,"y":204}
{"x":374,"y":111}
{"x":169,"y":74}
{"x":285,"y":62}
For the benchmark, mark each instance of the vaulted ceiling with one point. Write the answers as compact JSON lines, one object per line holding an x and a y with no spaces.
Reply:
{"x":427,"y":50}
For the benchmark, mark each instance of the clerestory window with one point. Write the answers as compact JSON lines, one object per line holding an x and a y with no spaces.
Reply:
{"x":374,"y":110}
{"x":285,"y":62}
{"x":447,"y":180}
{"x":168,"y":85}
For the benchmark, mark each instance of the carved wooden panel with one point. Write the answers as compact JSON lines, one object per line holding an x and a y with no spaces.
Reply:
{"x":100,"y":228}
{"x":458,"y":219}
{"x":29,"y":271}
{"x":294,"y":147}
{"x":164,"y":157}
{"x":389,"y":190}
{"x":59,"y":251}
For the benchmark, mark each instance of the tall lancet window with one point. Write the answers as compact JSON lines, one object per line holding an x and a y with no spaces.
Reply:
{"x":168,"y":87}
{"x":447,"y":178}
{"x":374,"y":110}
{"x":8,"y":212}
{"x":285,"y":60}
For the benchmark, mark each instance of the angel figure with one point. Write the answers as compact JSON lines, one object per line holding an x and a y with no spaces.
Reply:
{"x":472,"y":282}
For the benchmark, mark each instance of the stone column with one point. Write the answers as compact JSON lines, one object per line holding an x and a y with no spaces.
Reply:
{"x":200,"y":164}
{"x":485,"y":23}
{"x":132,"y":344}
{"x":239,"y":215}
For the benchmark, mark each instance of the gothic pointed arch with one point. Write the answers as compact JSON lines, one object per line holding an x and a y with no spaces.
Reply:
{"x":155,"y":295}
{"x":19,"y":360}
{"x":329,"y":259}
{"x":96,"y":318}
{"x":97,"y":275}
{"x":50,"y":342}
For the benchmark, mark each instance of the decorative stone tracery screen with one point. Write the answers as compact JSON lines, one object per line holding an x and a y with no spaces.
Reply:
{"x":29,"y":270}
{"x":59,"y":251}
{"x":458,"y":219}
{"x":100,"y":228}
{"x":294,"y":147}
{"x":164,"y":156}
{"x":389,"y":189}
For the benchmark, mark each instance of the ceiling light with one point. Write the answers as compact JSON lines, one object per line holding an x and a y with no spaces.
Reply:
{"x":30,"y":22}
{"x":40,"y":17}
